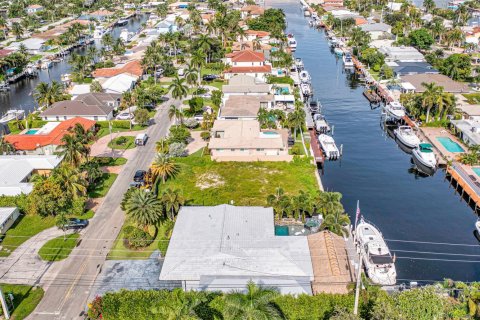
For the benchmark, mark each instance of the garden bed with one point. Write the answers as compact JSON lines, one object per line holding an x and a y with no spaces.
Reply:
{"x":122,"y":143}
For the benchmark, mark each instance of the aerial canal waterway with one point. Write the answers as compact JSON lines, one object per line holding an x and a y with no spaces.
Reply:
{"x":404,"y":205}
{"x":21,"y":93}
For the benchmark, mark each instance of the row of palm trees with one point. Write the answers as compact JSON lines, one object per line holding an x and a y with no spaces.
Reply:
{"x":304,"y":204}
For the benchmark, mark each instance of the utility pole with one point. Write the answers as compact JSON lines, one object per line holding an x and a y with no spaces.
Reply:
{"x":6,"y":311}
{"x":359,"y":283}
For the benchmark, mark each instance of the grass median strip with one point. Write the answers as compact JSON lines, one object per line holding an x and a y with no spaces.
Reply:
{"x":59,"y":248}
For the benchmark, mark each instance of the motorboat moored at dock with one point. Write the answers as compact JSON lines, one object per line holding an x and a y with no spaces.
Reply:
{"x":376,"y":256}
{"x":291,"y":42}
{"x":424,"y":158}
{"x":329,"y":147}
{"x":321,"y":125}
{"x":395,"y":110}
{"x":12,"y":115}
{"x":407,"y":136}
{"x":304,"y":76}
{"x":347,"y":60}
{"x":299,"y":64}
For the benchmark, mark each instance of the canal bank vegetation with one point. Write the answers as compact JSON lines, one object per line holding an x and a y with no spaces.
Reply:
{"x":446,"y":300}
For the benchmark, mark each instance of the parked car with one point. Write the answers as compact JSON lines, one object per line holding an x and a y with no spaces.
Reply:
{"x":136,"y":184}
{"x":125,"y":116}
{"x":209,"y":77}
{"x":139,"y":176}
{"x":74,"y":223}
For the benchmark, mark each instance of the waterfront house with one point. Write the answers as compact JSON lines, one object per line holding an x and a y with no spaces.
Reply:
{"x":251,"y":12}
{"x":99,"y":15}
{"x":165,"y":26}
{"x":96,"y":106}
{"x":245,"y":85}
{"x":244,"y":107}
{"x":408,"y":68}
{"x":252,"y":35}
{"x":8,"y":216}
{"x":449,"y":85}
{"x":118,"y":84}
{"x":133,"y":68}
{"x":468,"y":130}
{"x":247,"y":62}
{"x":332,"y":3}
{"x":16,"y":172}
{"x":403,"y":53}
{"x":48,"y":139}
{"x":239,"y":140}
{"x":34,"y":8}
{"x":222,"y":248}
{"x":377,"y":30}
{"x":33,"y":45}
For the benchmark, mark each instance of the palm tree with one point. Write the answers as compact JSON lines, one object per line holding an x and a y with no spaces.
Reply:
{"x":17,"y":30}
{"x":296,"y":120}
{"x":329,"y":202}
{"x":257,"y":303}
{"x":162,"y":146}
{"x":172,"y":200}
{"x":175,"y":112}
{"x":191,"y":74}
{"x":205,"y":43}
{"x":46,"y":94}
{"x":180,"y":305}
{"x":336,"y":222}
{"x":6,"y":147}
{"x":71,"y":180}
{"x":73,"y":150}
{"x":144,"y":207}
{"x":164,"y":167}
{"x":279,"y":201}
{"x":431,"y":97}
{"x":178,"y":88}
{"x":198,"y":61}
{"x":429,"y":5}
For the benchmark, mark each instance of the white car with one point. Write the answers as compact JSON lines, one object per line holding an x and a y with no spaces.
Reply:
{"x":125,"y":116}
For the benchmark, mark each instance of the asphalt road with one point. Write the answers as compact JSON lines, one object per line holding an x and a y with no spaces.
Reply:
{"x":67,"y":289}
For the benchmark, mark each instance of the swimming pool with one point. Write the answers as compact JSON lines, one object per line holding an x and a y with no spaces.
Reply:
{"x":450,"y":145}
{"x":283,"y":230}
{"x":476,"y":170}
{"x":32,"y":131}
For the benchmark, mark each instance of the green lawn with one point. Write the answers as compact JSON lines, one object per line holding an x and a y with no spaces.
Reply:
{"x":59,"y":248}
{"x":35,"y":58}
{"x":215,"y":83}
{"x":100,"y":189}
{"x":105,"y":131}
{"x":110,"y":162}
{"x":25,"y":299}
{"x":120,"y":252}
{"x":472,"y":98}
{"x":24,"y":228}
{"x":122,"y":143}
{"x":205,"y":182}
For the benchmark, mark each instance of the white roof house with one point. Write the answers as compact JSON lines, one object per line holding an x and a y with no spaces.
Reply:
{"x":8,"y":215}
{"x":402,"y":53}
{"x":119,"y":83}
{"x":221,"y":248}
{"x":15,"y":172}
{"x":33,"y":45}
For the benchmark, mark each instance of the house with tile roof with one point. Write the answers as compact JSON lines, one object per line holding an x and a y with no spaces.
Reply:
{"x":34,"y":8}
{"x":48,"y":139}
{"x":132,"y":68}
{"x":251,"y":12}
{"x":247,"y":62}
{"x":252,"y":35}
{"x":96,"y":106}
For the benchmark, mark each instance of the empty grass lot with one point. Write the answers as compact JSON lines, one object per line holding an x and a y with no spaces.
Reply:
{"x":206,"y":182}
{"x":25,"y":299}
{"x":59,"y":248}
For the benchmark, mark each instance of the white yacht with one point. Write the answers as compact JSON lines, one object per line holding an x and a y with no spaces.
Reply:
{"x":338,"y":51}
{"x":347,"y":60}
{"x":299,"y":64}
{"x":329,"y":147}
{"x":291,"y":42}
{"x":424,"y":158}
{"x":407,"y":136}
{"x":46,"y":64}
{"x":304,"y":76}
{"x":12,"y":115}
{"x":321,"y":125}
{"x":306,"y":89}
{"x":125,"y":35}
{"x":376,"y":256}
{"x":395,"y":110}
{"x":99,"y":32}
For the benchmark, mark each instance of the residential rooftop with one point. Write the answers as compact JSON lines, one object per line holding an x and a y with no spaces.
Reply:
{"x":245,"y":105}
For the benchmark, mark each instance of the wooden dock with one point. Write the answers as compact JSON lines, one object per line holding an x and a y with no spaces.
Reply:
{"x":468,"y":186}
{"x":317,"y":151}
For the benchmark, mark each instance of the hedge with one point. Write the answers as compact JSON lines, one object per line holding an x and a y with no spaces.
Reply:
{"x":116,"y":124}
{"x":20,"y":201}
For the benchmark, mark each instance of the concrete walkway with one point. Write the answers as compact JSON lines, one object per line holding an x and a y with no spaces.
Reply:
{"x":196,"y":143}
{"x":24,"y":266}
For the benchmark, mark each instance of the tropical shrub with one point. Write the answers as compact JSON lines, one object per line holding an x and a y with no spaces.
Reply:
{"x":177,"y":149}
{"x":95,"y":308}
{"x":195,"y":104}
{"x":190,"y":123}
{"x":20,"y":201}
{"x":205,"y":135}
{"x":135,"y":238}
{"x":179,"y":134}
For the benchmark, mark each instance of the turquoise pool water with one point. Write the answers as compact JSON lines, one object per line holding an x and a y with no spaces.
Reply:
{"x":450,"y":145}
{"x":31,"y":131}
{"x":270,"y":133}
{"x":283,"y":230}
{"x":476,"y":170}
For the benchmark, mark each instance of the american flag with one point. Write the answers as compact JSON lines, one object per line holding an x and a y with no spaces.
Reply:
{"x":357,"y":216}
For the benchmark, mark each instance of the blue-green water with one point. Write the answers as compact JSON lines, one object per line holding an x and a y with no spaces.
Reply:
{"x":281,"y":230}
{"x":476,"y":170}
{"x":450,"y":145}
{"x":32,"y":131}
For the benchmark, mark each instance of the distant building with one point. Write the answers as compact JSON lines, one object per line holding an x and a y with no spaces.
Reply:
{"x":222,"y":248}
{"x":48,"y":139}
{"x":8,"y":216}
{"x":251,"y":11}
{"x":403,"y":53}
{"x":34,"y":8}
{"x":16,"y":172}
{"x":240,"y":140}
{"x":416,"y":82}
{"x":410,"y":68}
{"x":377,"y":30}
{"x":99,"y":15}
{"x":96,"y":106}
{"x":33,"y":45}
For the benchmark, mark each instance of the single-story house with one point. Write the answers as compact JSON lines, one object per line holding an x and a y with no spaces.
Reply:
{"x":99,"y":15}
{"x":245,"y":85}
{"x":402,"y":53}
{"x":239,"y":140}
{"x":251,"y":11}
{"x":468,"y":130}
{"x":244,"y":107}
{"x":377,"y":30}
{"x":93,"y":106}
{"x":119,"y":84}
{"x":251,"y":35}
{"x":414,"y":67}
{"x":132,"y":68}
{"x":34,"y":8}
{"x":165,"y":27}
{"x":33,"y":45}
{"x":447,"y":83}
{"x":222,"y":248}
{"x":17,"y":170}
{"x":48,"y":139}
{"x":8,"y":216}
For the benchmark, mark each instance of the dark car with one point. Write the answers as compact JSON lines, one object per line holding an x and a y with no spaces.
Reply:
{"x":139,"y":175}
{"x":209,"y":77}
{"x":74,"y":223}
